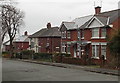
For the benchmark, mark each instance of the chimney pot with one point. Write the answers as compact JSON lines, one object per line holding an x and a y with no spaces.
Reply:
{"x":49,"y":25}
{"x":25,"y":33}
{"x":97,"y":10}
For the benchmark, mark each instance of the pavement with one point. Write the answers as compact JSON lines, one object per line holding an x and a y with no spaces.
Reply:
{"x":85,"y":68}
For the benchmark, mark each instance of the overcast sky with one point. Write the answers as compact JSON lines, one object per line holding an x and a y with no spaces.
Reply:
{"x":39,"y":12}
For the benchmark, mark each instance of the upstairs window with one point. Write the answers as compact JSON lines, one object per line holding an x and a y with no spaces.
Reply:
{"x":64,"y":34}
{"x":79,"y":35}
{"x":103,"y":32}
{"x":95,"y":33}
{"x":82,"y":34}
{"x":68,"y":34}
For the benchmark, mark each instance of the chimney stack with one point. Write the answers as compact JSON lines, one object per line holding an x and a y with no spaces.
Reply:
{"x":97,"y":10}
{"x":49,"y":25}
{"x":25,"y":33}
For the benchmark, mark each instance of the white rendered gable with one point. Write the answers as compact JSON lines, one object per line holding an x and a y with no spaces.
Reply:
{"x":95,"y":23}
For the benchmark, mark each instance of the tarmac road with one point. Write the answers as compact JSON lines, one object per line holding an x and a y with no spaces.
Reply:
{"x":24,"y":71}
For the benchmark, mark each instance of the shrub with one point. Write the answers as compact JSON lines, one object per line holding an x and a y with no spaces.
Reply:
{"x":42,"y":56}
{"x":62,"y":54}
{"x":26,"y":54}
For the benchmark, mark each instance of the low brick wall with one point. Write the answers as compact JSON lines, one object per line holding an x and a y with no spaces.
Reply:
{"x":69,"y":60}
{"x":77,"y":61}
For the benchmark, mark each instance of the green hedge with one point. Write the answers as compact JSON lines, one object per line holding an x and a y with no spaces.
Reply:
{"x":42,"y":56}
{"x":5,"y":52}
{"x":62,"y":54}
{"x":25,"y":54}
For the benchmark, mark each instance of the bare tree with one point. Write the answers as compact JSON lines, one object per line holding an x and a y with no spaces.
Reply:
{"x":3,"y":29}
{"x":12,"y":19}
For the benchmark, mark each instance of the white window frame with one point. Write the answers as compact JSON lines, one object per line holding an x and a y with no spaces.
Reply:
{"x":68,"y":45}
{"x":96,"y":56}
{"x":63,"y":34}
{"x":93,"y":31}
{"x":63,"y":48}
{"x":78,"y":50}
{"x":78,"y":35}
{"x":68,"y":35}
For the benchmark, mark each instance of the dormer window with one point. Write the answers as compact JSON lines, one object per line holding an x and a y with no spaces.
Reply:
{"x":68,"y":34}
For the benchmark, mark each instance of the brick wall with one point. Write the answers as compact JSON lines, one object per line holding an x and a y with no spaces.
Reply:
{"x":50,"y":45}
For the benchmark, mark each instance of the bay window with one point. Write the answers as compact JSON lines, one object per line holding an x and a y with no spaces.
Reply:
{"x":95,"y":51}
{"x":68,"y":48}
{"x":63,"y":48}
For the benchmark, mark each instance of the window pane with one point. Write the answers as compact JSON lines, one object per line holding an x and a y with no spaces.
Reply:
{"x":68,"y":34}
{"x":93,"y":51}
{"x":97,"y":51}
{"x":68,"y":48}
{"x":103,"y":50}
{"x":63,"y":47}
{"x":103,"y":32}
{"x":95,"y":32}
{"x":64,"y":34}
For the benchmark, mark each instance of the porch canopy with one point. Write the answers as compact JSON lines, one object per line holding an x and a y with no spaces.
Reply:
{"x":84,"y":43}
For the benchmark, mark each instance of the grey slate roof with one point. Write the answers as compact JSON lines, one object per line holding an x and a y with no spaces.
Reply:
{"x":77,"y":22}
{"x":114,"y":14}
{"x":81,"y":20}
{"x":45,"y":32}
{"x":22,"y":38}
{"x":103,"y":19}
{"x":69,"y":25}
{"x":104,"y":16}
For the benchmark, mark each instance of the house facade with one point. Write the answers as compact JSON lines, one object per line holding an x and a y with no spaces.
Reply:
{"x":87,"y":36}
{"x":70,"y":36}
{"x":19,"y":43}
{"x":46,"y":40}
{"x":96,"y":31}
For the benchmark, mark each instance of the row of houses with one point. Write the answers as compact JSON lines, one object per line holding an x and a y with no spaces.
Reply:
{"x":84,"y":36}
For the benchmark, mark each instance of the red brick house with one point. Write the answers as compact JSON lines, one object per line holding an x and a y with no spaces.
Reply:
{"x":96,"y":30}
{"x":46,"y":40}
{"x":20,"y":43}
{"x":70,"y":36}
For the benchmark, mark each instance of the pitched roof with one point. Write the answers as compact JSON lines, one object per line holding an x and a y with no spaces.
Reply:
{"x":113,"y":15}
{"x":77,"y":22}
{"x":81,"y":20}
{"x":69,"y":25}
{"x":105,"y":17}
{"x":22,"y":38}
{"x":45,"y":32}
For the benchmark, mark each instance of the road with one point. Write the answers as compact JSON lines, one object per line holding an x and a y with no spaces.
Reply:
{"x":24,"y":71}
